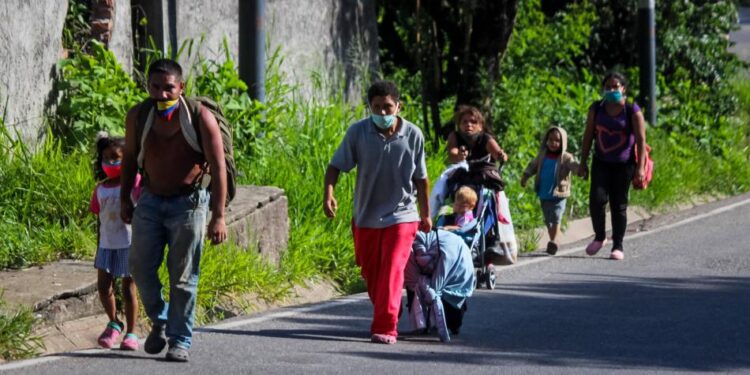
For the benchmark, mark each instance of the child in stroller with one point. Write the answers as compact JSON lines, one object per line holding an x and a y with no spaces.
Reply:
{"x":475,"y":153}
{"x":439,"y":277}
{"x":483,"y":234}
{"x":463,"y":209}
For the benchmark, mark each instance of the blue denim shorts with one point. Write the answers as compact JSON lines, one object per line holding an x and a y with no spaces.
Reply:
{"x":553,"y":211}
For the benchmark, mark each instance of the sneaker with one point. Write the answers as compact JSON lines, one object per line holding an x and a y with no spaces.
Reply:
{"x":617,"y":255}
{"x":380,"y":338}
{"x":109,"y":336}
{"x":551,"y":248}
{"x":595,"y":246}
{"x":156,"y":340}
{"x":130,"y":342}
{"x":177,"y":353}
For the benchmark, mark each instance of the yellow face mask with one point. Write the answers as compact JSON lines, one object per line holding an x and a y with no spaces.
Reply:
{"x":166,"y":109}
{"x":165,"y":105}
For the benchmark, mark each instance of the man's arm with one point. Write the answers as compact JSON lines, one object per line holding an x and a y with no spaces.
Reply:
{"x":129,"y":165}
{"x":330,"y":206}
{"x":423,"y":192}
{"x":213,"y":151}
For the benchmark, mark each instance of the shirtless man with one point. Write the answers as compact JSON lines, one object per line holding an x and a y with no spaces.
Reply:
{"x":173,"y":207}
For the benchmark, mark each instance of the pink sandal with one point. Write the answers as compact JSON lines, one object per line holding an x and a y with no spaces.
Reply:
{"x":383,"y":339}
{"x":110,"y":334}
{"x":130,"y":342}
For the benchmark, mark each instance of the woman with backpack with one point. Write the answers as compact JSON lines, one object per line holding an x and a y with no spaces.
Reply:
{"x":619,"y":131}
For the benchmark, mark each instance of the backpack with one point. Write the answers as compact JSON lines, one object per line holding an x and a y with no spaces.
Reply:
{"x":649,"y":167}
{"x":192,"y":133}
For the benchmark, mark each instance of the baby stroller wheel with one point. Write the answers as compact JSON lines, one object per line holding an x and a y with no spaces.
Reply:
{"x":489,"y":277}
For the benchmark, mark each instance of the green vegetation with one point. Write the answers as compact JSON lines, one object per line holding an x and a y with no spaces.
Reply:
{"x":44,"y":195}
{"x":15,"y":339}
{"x":701,"y":146}
{"x":551,"y":73}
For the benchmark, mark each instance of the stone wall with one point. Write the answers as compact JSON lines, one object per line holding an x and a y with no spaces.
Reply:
{"x":30,"y":41}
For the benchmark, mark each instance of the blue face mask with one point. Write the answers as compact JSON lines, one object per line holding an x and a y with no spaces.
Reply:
{"x":613,"y":96}
{"x":383,"y":122}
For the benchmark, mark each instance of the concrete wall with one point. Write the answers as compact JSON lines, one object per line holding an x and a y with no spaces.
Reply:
{"x":258,"y":219}
{"x":334,"y":37}
{"x":30,"y":41}
{"x":337,"y":38}
{"x":121,"y":42}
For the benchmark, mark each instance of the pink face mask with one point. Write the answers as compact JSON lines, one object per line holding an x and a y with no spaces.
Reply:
{"x":112,"y":170}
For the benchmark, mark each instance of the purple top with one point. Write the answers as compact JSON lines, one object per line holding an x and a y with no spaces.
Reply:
{"x":614,"y":137}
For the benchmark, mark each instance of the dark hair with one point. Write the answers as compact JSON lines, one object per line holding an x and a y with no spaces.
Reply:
{"x":382,"y":88}
{"x":464,"y":110}
{"x":553,"y":128}
{"x":165,"y":66}
{"x":616,"y":75}
{"x":103,"y":142}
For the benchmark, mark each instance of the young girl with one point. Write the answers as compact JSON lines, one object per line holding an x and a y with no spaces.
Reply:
{"x":618,"y":131}
{"x":472,"y":141}
{"x":113,"y":238}
{"x":552,"y":169}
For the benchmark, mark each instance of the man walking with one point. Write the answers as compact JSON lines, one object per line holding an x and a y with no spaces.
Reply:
{"x":173,"y":208}
{"x":388,"y":153}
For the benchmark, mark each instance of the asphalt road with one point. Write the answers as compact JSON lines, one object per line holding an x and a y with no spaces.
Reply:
{"x":678,"y":303}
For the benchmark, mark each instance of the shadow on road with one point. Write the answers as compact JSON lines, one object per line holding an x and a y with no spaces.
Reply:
{"x":298,"y":334}
{"x":599,"y":321}
{"x":696,"y":324}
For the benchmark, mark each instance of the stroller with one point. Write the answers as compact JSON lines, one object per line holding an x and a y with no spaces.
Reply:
{"x":490,"y":236}
{"x":438,"y":277}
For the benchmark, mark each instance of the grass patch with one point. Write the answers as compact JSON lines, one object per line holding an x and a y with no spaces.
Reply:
{"x":44,"y":195}
{"x":16,"y":341}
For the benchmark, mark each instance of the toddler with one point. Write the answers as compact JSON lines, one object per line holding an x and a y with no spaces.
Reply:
{"x":552,"y":168}
{"x":463,"y":206}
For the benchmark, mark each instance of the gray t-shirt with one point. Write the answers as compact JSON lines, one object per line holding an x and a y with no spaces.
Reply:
{"x":385,"y":193}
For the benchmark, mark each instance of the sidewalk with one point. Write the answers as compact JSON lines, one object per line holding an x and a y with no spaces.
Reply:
{"x":580,"y":229}
{"x":63,"y":296}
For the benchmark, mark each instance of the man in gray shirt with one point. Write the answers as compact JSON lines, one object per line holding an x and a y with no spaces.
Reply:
{"x":388,"y":153}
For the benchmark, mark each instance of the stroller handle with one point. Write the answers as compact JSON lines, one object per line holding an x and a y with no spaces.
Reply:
{"x":488,"y":159}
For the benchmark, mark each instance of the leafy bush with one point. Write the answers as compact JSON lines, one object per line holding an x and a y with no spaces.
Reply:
{"x":95,"y":95}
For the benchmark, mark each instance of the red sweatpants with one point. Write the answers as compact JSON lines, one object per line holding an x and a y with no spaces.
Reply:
{"x":382,"y":253}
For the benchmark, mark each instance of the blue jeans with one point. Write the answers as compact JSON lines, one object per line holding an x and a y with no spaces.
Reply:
{"x":180,"y":223}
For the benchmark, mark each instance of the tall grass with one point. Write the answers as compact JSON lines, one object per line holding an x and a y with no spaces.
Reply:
{"x":44,"y":195}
